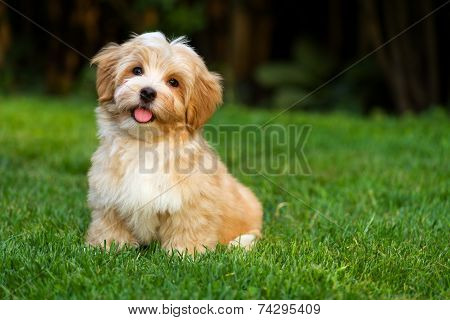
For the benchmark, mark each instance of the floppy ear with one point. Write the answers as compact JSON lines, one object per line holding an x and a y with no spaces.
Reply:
{"x":106,"y":61}
{"x":206,"y":96}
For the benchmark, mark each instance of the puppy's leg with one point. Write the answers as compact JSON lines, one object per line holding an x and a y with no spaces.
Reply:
{"x":107,"y":226}
{"x":247,"y":240}
{"x":187,"y":232}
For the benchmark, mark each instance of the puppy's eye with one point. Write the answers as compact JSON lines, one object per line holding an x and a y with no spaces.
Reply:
{"x":173,"y":82}
{"x":138,"y":71}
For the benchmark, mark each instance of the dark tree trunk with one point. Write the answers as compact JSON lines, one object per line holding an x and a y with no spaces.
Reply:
{"x":409,"y":62}
{"x":5,"y":34}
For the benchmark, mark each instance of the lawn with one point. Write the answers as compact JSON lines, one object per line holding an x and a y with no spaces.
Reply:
{"x":370,"y":221}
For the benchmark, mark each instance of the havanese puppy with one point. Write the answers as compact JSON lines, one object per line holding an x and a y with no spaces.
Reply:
{"x":153,"y":176}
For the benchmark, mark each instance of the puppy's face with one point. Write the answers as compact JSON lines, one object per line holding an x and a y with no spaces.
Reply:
{"x":151,"y":83}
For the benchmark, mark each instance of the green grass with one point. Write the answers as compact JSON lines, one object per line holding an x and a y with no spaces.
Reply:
{"x":381,"y":186}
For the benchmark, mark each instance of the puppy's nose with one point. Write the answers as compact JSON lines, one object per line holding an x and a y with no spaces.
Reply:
{"x":147,"y":94}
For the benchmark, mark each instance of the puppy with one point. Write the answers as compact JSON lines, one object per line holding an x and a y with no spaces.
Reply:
{"x":153,"y":176}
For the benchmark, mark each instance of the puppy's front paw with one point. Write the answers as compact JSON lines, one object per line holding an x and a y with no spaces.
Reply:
{"x":185,"y":249}
{"x":108,"y":243}
{"x":109,"y":229}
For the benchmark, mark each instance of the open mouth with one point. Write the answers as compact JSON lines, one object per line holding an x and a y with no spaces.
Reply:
{"x":142,"y":115}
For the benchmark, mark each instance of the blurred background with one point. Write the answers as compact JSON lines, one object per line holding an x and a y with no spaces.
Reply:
{"x":271,"y":53}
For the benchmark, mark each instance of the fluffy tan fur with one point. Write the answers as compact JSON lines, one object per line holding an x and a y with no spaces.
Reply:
{"x":160,"y":180}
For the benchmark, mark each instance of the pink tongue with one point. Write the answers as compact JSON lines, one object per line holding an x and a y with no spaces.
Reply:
{"x":142,"y":115}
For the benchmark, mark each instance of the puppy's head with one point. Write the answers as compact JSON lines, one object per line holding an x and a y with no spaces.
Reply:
{"x":148,"y":82}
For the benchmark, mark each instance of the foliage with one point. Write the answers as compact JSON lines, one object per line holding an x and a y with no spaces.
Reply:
{"x":375,"y":223}
{"x":84,"y":27}
{"x":173,"y":16}
{"x":295,"y":82}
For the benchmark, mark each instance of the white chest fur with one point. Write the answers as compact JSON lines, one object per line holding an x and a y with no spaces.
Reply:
{"x":134,"y":179}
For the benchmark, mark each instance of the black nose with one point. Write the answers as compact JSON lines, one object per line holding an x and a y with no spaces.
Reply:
{"x":148,"y":94}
